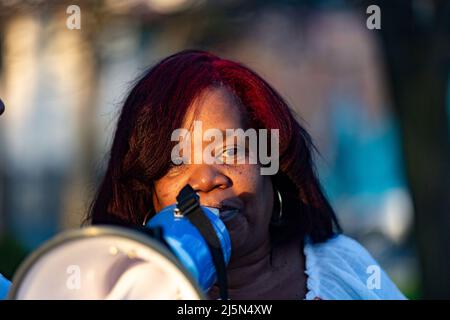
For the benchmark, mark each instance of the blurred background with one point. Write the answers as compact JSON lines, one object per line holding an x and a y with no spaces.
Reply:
{"x":376,"y":102}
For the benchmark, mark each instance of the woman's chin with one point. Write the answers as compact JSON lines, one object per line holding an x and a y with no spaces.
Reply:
{"x":237,"y":227}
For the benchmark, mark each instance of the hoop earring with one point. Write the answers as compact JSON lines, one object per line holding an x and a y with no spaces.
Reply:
{"x":147,"y":215}
{"x":278,"y":219}
{"x":145,"y":220}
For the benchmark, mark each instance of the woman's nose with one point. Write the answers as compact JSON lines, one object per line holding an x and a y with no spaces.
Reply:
{"x":205,"y":178}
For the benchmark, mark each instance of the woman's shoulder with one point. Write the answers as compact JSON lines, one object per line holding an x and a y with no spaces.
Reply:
{"x":340,"y":247}
{"x":341,"y":268}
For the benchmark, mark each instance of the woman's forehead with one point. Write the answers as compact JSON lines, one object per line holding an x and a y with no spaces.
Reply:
{"x":215,"y":108}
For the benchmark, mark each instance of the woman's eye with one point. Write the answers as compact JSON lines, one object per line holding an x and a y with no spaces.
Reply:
{"x":231,"y":154}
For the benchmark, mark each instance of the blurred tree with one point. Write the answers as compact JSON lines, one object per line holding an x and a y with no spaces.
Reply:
{"x":15,"y":253}
{"x":415,"y":36}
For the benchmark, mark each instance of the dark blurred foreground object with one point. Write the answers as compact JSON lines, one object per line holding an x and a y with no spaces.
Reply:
{"x":2,"y":107}
{"x":416,"y":40}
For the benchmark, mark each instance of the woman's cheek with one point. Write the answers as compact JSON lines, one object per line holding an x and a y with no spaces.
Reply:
{"x":250,"y":183}
{"x":246,"y":178}
{"x":166,"y":192}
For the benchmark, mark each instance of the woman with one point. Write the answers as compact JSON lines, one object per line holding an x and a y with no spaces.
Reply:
{"x":284,"y":233}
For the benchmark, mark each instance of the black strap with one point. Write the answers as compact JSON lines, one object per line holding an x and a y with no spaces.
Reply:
{"x":188,"y":204}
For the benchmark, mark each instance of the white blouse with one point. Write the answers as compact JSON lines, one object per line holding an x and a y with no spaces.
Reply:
{"x":341,"y":269}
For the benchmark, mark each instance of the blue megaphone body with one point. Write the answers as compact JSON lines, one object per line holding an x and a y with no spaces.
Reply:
{"x":4,"y":287}
{"x":189,"y":245}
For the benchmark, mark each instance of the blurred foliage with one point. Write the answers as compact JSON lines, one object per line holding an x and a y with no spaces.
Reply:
{"x":16,"y":253}
{"x":412,"y":289}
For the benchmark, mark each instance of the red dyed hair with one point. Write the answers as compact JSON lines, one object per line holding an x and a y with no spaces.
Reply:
{"x":157,"y":105}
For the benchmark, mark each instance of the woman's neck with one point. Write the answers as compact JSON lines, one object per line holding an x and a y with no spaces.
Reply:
{"x":267,"y":273}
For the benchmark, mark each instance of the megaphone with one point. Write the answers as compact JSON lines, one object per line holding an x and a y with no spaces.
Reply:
{"x":182,"y":251}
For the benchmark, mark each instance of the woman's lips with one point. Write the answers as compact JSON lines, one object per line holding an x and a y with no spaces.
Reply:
{"x":228,"y":214}
{"x":225,"y":211}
